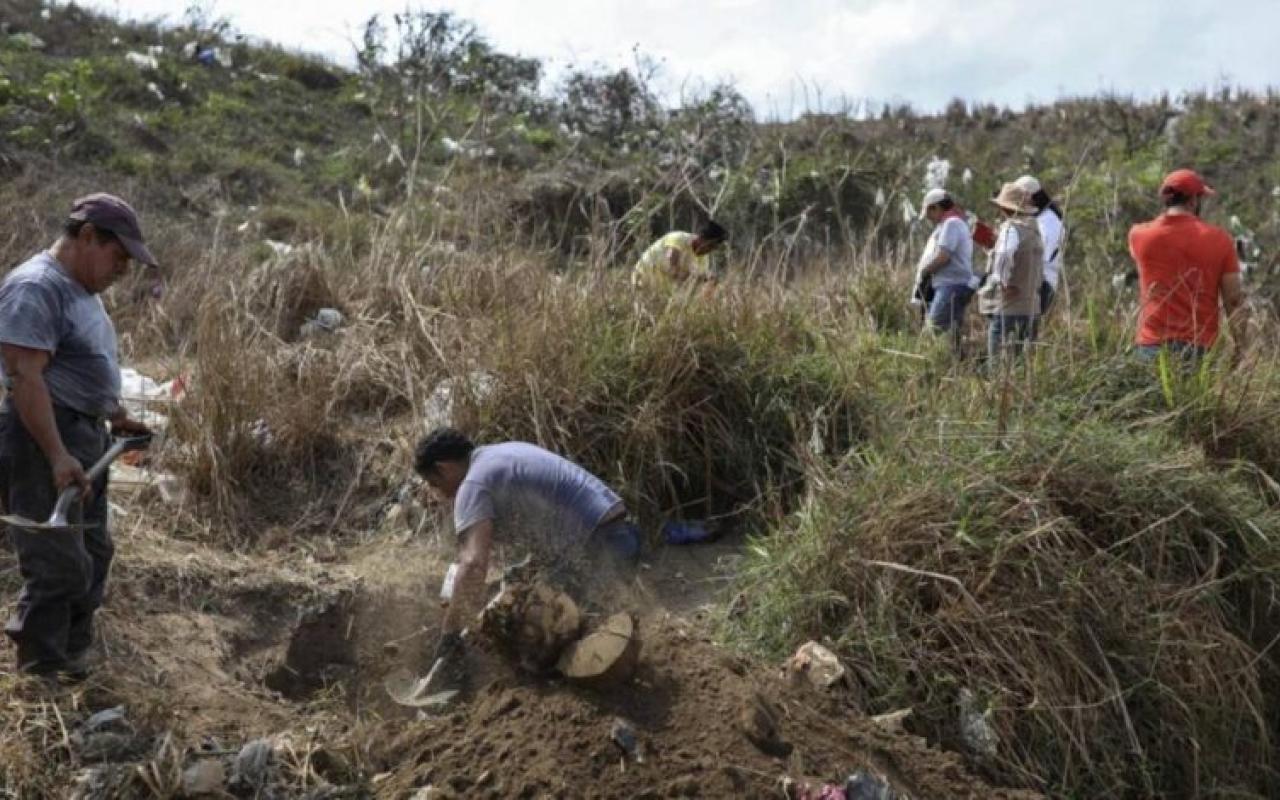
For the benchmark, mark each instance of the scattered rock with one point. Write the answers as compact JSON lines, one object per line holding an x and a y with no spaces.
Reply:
{"x":607,"y":657}
{"x":816,"y":664}
{"x":105,"y":736}
{"x":326,"y":321}
{"x":203,"y":778}
{"x":893,"y":721}
{"x":252,"y":767}
{"x":106,"y":746}
{"x":111,"y":719}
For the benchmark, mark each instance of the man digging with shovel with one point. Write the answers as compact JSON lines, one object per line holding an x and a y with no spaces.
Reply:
{"x":58,"y":354}
{"x":571,"y":526}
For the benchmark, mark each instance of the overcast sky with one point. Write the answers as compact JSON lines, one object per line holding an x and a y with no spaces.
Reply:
{"x":787,"y":56}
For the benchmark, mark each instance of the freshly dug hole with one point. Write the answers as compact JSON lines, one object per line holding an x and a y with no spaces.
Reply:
{"x":321,"y":651}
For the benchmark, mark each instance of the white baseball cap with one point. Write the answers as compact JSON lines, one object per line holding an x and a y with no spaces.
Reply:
{"x":1028,"y":184}
{"x":932,"y":198}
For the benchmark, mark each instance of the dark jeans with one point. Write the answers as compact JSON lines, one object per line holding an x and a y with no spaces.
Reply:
{"x":64,"y":573}
{"x":1047,"y":294}
{"x":1008,"y":334}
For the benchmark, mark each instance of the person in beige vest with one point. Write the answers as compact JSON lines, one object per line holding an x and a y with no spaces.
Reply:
{"x":1010,"y":298}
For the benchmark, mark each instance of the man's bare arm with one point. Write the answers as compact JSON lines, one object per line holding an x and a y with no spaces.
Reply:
{"x":25,"y":367}
{"x":473,"y":565}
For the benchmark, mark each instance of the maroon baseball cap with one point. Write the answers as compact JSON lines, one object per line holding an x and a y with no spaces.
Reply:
{"x":1185,"y":182}
{"x":109,"y":213}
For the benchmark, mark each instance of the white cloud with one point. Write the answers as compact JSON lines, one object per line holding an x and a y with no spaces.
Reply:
{"x":782,"y":53}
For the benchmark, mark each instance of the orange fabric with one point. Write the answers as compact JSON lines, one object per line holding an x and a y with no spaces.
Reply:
{"x":1181,"y":260}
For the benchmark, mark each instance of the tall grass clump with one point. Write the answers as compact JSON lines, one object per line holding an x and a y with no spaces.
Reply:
{"x":1107,"y":592}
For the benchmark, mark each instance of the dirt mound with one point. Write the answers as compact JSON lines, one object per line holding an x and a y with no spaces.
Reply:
{"x":209,"y":654}
{"x":705,"y":724}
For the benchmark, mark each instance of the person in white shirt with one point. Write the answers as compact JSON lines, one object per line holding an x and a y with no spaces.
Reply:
{"x":1049,"y":219}
{"x":946,"y":267}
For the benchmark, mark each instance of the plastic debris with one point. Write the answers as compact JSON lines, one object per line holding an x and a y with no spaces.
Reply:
{"x":28,"y":40}
{"x":865,"y":786}
{"x":936,"y":173}
{"x":975,"y":726}
{"x":261,"y":433}
{"x":142,"y":61}
{"x":687,"y":532}
{"x":909,"y":215}
{"x":623,"y":734}
{"x":442,"y":405}
{"x":816,"y":664}
{"x":279,"y":248}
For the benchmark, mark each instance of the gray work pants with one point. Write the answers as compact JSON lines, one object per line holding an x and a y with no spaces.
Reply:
{"x":64,"y":573}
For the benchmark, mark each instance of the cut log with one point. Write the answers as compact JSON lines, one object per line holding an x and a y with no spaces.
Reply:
{"x":607,"y":657}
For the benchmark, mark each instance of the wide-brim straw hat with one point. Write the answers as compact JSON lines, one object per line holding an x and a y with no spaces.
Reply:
{"x":1015,"y":199}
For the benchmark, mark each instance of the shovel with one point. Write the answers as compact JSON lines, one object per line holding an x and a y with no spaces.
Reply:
{"x":58,"y":519}
{"x":408,"y":689}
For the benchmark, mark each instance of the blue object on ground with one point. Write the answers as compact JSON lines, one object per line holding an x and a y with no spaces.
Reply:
{"x":689,"y":532}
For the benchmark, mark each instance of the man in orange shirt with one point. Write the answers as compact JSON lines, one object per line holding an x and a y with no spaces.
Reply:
{"x":1186,"y":267}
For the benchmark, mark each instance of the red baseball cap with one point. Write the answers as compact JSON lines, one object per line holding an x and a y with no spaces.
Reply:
{"x":1187,"y":182}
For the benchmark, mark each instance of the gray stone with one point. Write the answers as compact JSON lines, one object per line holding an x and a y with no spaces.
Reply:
{"x":253,"y":765}
{"x":105,"y":746}
{"x":111,"y":719}
{"x":203,"y":778}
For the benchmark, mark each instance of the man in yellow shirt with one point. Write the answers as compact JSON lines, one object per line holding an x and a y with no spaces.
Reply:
{"x":679,"y":257}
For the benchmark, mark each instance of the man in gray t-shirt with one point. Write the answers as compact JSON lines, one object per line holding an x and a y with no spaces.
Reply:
{"x":525,"y":497}
{"x":62,"y":385}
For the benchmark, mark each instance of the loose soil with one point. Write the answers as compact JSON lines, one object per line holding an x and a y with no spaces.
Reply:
{"x":214,"y":649}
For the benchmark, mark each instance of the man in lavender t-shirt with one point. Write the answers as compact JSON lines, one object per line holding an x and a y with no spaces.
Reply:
{"x":524,"y":497}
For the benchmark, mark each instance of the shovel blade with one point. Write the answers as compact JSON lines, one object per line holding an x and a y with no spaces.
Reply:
{"x":408,"y":689}
{"x":19,"y":521}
